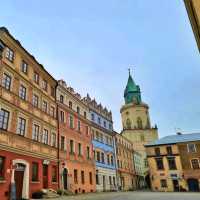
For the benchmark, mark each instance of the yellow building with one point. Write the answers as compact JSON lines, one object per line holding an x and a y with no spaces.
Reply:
{"x":193,"y":9}
{"x":126,"y":177}
{"x":136,"y":120}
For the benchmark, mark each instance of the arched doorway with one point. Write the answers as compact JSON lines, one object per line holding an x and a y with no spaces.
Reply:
{"x":20,"y":178}
{"x":65,"y":174}
{"x":193,"y":185}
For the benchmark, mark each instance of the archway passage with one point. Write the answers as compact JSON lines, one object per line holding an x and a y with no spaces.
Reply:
{"x":19,"y":177}
{"x":193,"y":185}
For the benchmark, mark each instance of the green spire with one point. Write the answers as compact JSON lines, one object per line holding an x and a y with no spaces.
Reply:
{"x":132,"y":91}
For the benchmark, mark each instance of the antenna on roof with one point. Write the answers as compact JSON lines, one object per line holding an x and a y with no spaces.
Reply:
{"x":129,"y":69}
{"x":178,"y":131}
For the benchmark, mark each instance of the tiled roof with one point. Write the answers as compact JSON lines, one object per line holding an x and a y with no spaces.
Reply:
{"x":173,"y":139}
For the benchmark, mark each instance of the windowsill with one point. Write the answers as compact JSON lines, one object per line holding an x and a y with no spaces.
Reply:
{"x":54,"y":183}
{"x":2,"y":181}
{"x":35,"y":182}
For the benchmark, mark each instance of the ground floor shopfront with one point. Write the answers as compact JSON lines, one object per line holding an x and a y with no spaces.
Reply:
{"x":106,"y":179}
{"x":126,"y":181}
{"x":78,"y":177}
{"x":23,"y":175}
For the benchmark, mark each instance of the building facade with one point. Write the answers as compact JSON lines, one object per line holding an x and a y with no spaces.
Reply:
{"x":136,"y":120}
{"x":139,"y":170}
{"x":193,"y":10}
{"x":126,"y":178}
{"x":28,"y":125}
{"x":77,"y":165}
{"x":174,"y":163}
{"x":104,"y":146}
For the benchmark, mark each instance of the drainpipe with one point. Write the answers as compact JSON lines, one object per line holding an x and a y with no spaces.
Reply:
{"x":115,"y":153}
{"x":58,"y":136}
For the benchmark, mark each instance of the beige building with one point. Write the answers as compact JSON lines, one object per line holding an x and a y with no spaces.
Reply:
{"x":193,"y":9}
{"x":136,"y":120}
{"x":174,"y":163}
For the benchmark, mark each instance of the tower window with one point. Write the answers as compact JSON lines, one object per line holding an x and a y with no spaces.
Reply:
{"x":128,"y":123}
{"x":139,"y":123}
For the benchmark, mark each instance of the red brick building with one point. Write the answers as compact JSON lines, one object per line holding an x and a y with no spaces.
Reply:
{"x":76,"y":150}
{"x":28,"y":125}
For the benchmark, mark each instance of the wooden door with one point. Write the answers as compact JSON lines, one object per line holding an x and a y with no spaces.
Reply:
{"x":19,"y":176}
{"x":45,"y":176}
{"x":65,"y":174}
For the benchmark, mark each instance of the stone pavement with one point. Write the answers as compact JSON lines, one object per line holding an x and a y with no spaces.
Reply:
{"x":134,"y":196}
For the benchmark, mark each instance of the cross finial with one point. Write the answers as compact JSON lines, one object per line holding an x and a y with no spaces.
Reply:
{"x":129,"y":69}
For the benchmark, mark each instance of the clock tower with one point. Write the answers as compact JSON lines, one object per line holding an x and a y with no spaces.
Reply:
{"x":136,"y":119}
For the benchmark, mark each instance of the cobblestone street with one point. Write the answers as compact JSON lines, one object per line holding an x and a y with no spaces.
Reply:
{"x":135,"y":196}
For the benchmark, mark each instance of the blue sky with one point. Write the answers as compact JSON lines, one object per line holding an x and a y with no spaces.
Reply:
{"x":91,"y":43}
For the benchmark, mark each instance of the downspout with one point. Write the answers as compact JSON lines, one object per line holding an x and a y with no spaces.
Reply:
{"x":58,"y":136}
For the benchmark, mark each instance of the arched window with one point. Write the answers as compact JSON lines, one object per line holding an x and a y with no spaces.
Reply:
{"x":128,"y":123}
{"x":139,"y":123}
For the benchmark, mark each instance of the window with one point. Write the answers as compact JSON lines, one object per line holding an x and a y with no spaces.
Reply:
{"x":36,"y":77}
{"x":157,"y":151}
{"x":54,"y":174}
{"x":163,"y":183}
{"x":139,"y":123}
{"x":97,"y":177}
{"x":10,"y":54}
{"x":44,"y":85}
{"x":110,"y":180}
{"x":52,"y":111}
{"x":108,"y":159}
{"x":52,"y":91}
{"x":79,"y":149}
{"x":191,"y":148}
{"x":6,"y":81}
{"x":86,"y":130}
{"x":70,"y":104}
{"x":75,"y":176}
{"x":53,"y":139}
{"x":78,"y":110}
{"x":71,"y":121}
{"x":85,"y":115}
{"x":71,"y":146}
{"x":62,"y":143}
{"x":44,"y":106}
{"x":62,"y":118}
{"x":21,"y":126}
{"x":35,"y":100}
{"x":114,"y":182}
{"x":92,"y":116}
{"x":88,"y":152}
{"x":112,"y":161}
{"x":36,"y":132}
{"x":110,"y":126}
{"x":4,"y":118}
{"x":118,"y":164}
{"x":102,"y":158}
{"x":24,"y":67}
{"x":99,"y":120}
{"x":128,"y":123}
{"x":90,"y":177}
{"x":79,"y":126}
{"x":22,"y":92}
{"x":195,"y":164}
{"x":34,"y":171}
{"x":2,"y":166}
{"x":45,"y":136}
{"x":172,"y":163}
{"x":104,"y":124}
{"x":169,"y":150}
{"x":98,"y":156}
{"x":159,"y":163}
{"x":61,"y":98}
{"x":82,"y":177}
